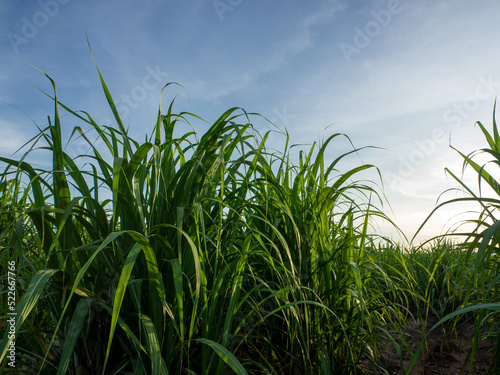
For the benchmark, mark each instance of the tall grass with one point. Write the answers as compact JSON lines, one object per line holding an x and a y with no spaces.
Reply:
{"x":211,"y":254}
{"x":185,"y":255}
{"x":478,"y":288}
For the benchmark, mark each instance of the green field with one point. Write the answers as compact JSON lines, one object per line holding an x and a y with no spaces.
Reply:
{"x":212,"y":254}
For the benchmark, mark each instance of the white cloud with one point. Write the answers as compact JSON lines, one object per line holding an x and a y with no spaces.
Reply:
{"x":11,"y":138}
{"x":269,"y":56}
{"x":269,"y":60}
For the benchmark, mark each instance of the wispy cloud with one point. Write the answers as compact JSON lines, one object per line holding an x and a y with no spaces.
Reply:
{"x":274,"y":57}
{"x":11,"y":138}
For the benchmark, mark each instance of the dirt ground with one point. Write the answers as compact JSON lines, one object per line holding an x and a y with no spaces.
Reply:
{"x":445,"y":353}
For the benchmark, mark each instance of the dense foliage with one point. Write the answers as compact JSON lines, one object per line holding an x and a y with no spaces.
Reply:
{"x":181,"y":255}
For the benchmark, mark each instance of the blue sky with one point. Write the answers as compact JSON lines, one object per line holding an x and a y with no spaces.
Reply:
{"x":405,"y":76}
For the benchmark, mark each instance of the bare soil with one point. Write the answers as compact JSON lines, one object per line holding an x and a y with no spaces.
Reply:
{"x":445,"y":353}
